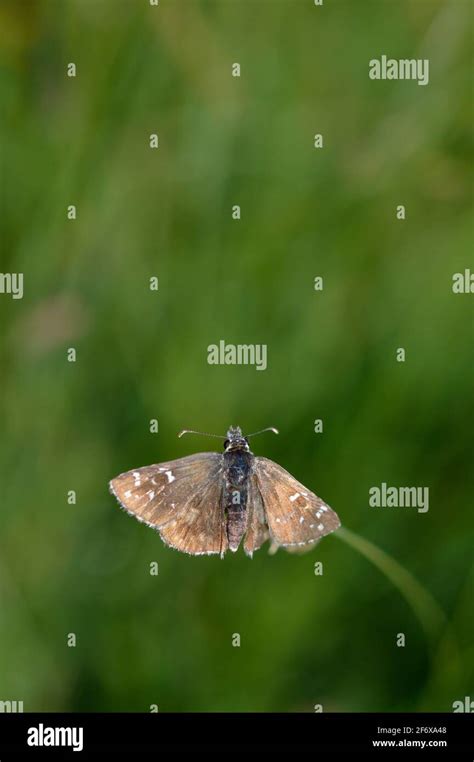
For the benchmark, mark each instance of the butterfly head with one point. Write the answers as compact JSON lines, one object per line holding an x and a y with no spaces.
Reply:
{"x":235,"y":440}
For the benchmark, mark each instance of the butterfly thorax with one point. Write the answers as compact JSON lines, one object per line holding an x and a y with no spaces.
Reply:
{"x":237,"y":470}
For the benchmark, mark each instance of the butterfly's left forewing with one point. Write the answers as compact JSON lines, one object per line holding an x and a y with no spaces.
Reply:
{"x":182,"y":499}
{"x":295,"y":515}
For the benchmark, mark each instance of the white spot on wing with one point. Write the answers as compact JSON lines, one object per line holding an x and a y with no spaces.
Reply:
{"x":128,"y":493}
{"x":293,"y":497}
{"x":301,"y":519}
{"x":320,"y":527}
{"x":170,"y":476}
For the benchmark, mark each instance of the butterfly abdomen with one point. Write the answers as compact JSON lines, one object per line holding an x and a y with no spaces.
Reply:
{"x":237,"y":469}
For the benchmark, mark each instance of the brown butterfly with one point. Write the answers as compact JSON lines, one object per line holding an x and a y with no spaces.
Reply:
{"x":208,"y":502}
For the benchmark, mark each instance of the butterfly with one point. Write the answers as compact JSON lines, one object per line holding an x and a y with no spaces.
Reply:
{"x":209,"y":502}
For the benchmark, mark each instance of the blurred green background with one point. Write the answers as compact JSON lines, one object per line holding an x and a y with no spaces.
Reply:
{"x":84,"y":568}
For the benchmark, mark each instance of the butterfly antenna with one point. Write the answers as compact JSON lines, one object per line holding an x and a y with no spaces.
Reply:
{"x":201,"y":433}
{"x":275,"y":431}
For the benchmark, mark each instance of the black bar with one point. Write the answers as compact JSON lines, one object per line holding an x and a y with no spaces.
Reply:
{"x":444,"y":735}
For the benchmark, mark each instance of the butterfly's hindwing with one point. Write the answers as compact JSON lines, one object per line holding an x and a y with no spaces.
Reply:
{"x":199,"y":527}
{"x":257,"y":529}
{"x":295,"y":516}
